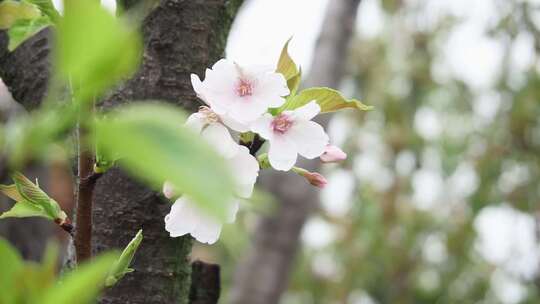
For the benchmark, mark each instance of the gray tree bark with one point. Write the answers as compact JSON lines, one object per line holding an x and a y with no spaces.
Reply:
{"x":180,"y":37}
{"x":262,"y":275}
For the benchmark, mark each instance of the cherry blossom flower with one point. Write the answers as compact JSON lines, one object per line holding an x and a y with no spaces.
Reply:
{"x":333,"y":154}
{"x":185,"y":217}
{"x":291,"y":133}
{"x":239,"y":95}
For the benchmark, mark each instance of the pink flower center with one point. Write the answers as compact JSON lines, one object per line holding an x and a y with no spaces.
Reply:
{"x":281,"y":123}
{"x":244,"y":88}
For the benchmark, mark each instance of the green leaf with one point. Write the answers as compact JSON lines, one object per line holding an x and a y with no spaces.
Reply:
{"x":155,"y":147}
{"x":121,"y":266}
{"x":328,"y":99}
{"x":25,"y":209}
{"x":11,"y":265}
{"x":294,"y":82}
{"x":94,"y":49}
{"x":33,"y":194}
{"x":11,"y":191}
{"x":24,"y":29}
{"x":83,"y":284}
{"x":286,"y":65}
{"x":47,"y":8}
{"x":11,"y":11}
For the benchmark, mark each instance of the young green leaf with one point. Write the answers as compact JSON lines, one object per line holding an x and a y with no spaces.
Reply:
{"x":94,"y":49}
{"x":294,"y":82}
{"x":121,"y":266}
{"x":11,"y":11}
{"x":11,"y":191}
{"x":328,"y":99}
{"x":25,"y":209}
{"x":47,"y":8}
{"x":153,"y":145}
{"x":24,"y":29}
{"x":286,"y":65}
{"x":83,"y":284}
{"x":34,"y":195}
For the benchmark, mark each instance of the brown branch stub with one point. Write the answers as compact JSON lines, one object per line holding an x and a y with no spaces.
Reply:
{"x":205,"y":286}
{"x":256,"y":145}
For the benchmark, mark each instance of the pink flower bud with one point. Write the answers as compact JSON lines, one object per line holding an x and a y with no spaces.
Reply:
{"x":316,"y":179}
{"x":168,"y":190}
{"x":333,"y":154}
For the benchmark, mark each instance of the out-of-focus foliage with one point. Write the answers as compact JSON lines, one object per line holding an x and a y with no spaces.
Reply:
{"x":29,"y":282}
{"x":432,"y":156}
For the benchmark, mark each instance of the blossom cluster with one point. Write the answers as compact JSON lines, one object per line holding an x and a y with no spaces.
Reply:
{"x":248,"y":99}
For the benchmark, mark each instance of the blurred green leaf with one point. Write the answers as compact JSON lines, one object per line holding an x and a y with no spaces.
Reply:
{"x":286,"y":65}
{"x":24,"y":29}
{"x":154,"y":146}
{"x":328,"y":99}
{"x":30,"y":136}
{"x":11,"y":265}
{"x":83,"y":284}
{"x":121,"y":266}
{"x":94,"y":49}
{"x":11,"y":11}
{"x":47,"y":8}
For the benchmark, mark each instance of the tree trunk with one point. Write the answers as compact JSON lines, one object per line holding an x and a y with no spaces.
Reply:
{"x":180,"y":37}
{"x":262,"y":275}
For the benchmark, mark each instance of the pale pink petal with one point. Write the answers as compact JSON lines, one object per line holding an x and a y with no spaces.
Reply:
{"x":219,"y":137}
{"x":246,"y":170}
{"x":234,"y":124}
{"x":282,"y":153}
{"x":307,"y":111}
{"x":196,"y":122}
{"x":333,"y":154}
{"x":309,"y":137}
{"x":182,"y":219}
{"x":262,"y":126}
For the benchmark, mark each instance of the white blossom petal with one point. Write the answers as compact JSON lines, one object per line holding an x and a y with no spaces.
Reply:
{"x":219,"y":137}
{"x":282,"y":153}
{"x":307,"y":111}
{"x":207,"y":230}
{"x":248,"y":110}
{"x":234,"y":124}
{"x":246,"y":170}
{"x":309,"y":137}
{"x":182,"y":219}
{"x":275,"y":86}
{"x":196,"y":122}
{"x":262,"y":126}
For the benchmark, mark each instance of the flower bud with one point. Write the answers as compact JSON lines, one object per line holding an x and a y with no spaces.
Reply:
{"x":168,"y":190}
{"x":314,"y":178}
{"x":333,"y":154}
